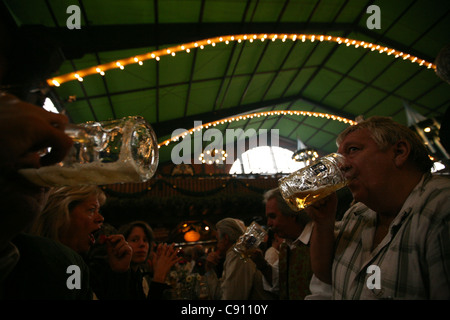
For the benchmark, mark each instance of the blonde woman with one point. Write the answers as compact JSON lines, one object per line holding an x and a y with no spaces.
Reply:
{"x":71,"y":216}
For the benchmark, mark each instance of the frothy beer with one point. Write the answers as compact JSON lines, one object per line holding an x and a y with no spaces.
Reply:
{"x":246,"y":243}
{"x":300,"y":200}
{"x":92,"y":173}
{"x":251,"y":239}
{"x":108,"y":152}
{"x":314,"y":182}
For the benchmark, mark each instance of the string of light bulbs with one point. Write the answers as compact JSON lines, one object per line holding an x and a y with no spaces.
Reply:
{"x":187,"y":47}
{"x":256,"y":115}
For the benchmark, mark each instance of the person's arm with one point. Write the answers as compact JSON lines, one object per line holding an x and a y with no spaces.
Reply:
{"x":25,"y":129}
{"x":119,"y":253}
{"x":211,"y":276}
{"x":322,"y":252}
{"x":262,"y":264}
{"x":237,"y":281}
{"x":271,"y":280}
{"x":322,"y":238}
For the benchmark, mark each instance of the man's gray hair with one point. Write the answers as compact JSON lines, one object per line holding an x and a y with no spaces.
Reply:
{"x":234,"y":228}
{"x":386,"y":132}
{"x":301,"y":217}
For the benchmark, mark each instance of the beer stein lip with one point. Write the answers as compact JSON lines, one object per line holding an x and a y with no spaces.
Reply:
{"x":148,"y":170}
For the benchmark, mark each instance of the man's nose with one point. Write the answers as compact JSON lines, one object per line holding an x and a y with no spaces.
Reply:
{"x":344,"y":164}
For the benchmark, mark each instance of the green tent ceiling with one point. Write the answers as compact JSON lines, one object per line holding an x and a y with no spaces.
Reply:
{"x":225,"y":80}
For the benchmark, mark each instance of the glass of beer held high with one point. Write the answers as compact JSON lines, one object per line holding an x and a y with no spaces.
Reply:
{"x":314,"y":182}
{"x":251,"y":239}
{"x":114,"y":151}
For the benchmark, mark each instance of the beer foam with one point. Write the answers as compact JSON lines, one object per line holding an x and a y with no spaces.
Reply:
{"x":83,"y":174}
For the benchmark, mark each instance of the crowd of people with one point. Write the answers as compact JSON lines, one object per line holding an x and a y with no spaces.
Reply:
{"x":398,"y":222}
{"x":398,"y":225}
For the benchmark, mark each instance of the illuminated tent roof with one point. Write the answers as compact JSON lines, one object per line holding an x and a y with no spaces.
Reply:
{"x":273,"y":68}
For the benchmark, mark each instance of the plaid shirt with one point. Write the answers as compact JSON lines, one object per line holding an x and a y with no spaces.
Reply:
{"x":413,"y":258}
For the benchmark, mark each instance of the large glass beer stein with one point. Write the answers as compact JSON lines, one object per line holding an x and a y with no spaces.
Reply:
{"x":314,"y":182}
{"x":251,"y":239}
{"x":107,"y":152}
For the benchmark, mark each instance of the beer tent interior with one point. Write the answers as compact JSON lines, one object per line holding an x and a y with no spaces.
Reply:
{"x":305,"y":68}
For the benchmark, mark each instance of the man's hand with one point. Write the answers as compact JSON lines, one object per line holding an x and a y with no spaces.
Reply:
{"x":25,"y":130}
{"x":323,"y":212}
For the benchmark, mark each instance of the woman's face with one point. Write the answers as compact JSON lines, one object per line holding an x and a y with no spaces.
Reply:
{"x":139,"y":243}
{"x":85,"y":219}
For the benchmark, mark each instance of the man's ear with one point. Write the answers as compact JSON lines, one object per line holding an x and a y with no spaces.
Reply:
{"x":402,"y":149}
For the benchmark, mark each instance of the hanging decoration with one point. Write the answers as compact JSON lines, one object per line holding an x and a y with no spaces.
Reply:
{"x":222,"y":183}
{"x":192,"y":236}
{"x":306,"y":155}
{"x":214,"y":156}
{"x":187,"y":47}
{"x":193,"y":230}
{"x":428,"y":131}
{"x":176,"y":138}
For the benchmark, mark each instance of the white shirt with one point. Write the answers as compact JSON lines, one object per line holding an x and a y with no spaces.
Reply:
{"x":271,"y":255}
{"x":240,"y":280}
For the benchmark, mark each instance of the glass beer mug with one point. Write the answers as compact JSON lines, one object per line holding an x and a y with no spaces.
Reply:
{"x":251,"y":239}
{"x":107,"y":152}
{"x":314,"y":182}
